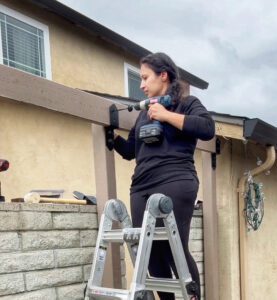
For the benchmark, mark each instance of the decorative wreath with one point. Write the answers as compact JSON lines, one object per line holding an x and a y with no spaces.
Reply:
{"x":254,"y":203}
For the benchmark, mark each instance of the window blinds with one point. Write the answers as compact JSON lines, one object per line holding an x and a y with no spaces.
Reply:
{"x":22,"y":46}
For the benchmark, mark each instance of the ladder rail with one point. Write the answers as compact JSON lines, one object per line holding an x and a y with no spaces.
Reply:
{"x":143,"y":254}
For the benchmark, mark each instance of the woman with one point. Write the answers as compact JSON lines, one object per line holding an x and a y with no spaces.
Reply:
{"x":166,"y":167}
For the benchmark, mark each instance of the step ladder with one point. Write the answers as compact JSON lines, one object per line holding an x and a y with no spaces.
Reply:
{"x":139,"y":244}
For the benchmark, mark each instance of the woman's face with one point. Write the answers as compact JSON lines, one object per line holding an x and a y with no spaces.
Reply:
{"x":152,"y":84}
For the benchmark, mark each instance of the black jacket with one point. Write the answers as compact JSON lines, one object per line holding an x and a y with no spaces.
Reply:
{"x":172,"y":159}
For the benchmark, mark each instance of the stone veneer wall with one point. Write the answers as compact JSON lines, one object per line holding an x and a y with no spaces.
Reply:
{"x":196,"y":245}
{"x":46,"y":250}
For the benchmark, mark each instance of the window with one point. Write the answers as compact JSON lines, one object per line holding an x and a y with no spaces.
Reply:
{"x":24,"y":43}
{"x":132,"y":83}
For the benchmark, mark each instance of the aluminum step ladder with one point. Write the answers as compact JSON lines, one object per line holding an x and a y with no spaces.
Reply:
{"x":139,"y":244}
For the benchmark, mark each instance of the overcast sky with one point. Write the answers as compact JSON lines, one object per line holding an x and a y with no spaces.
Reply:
{"x":232,"y":44}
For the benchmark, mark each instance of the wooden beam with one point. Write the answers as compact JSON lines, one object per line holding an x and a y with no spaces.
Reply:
{"x":207,"y":146}
{"x":29,"y":89}
{"x":104,"y":167}
{"x":229,"y":130}
{"x":211,"y":243}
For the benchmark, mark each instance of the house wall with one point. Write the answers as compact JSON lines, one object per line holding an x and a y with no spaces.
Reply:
{"x":262,"y":244}
{"x":237,"y":158}
{"x":79,"y":60}
{"x":61,"y":144}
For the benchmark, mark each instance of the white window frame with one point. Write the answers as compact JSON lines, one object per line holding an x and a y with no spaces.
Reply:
{"x":126,"y":68}
{"x":17,"y":15}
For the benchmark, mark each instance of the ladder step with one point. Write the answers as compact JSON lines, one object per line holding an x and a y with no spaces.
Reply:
{"x":131,"y":235}
{"x":107,"y":293}
{"x":163,"y":285}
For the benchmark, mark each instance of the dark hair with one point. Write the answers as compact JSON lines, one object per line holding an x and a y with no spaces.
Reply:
{"x":160,"y":62}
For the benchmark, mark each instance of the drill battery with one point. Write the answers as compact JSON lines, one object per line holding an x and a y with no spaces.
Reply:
{"x":151,"y":133}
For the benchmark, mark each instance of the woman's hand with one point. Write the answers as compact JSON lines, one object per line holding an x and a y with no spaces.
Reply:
{"x":160,"y":113}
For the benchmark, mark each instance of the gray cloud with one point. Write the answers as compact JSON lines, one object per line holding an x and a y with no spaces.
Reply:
{"x":230,"y":44}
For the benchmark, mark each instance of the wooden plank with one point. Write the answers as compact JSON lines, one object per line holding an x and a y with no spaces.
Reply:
{"x":229,"y":130}
{"x":207,"y":146}
{"x":104,"y":166}
{"x":26,"y":88}
{"x":211,"y":244}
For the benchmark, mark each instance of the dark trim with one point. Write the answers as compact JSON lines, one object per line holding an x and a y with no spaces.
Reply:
{"x":260,"y":131}
{"x":108,"y":35}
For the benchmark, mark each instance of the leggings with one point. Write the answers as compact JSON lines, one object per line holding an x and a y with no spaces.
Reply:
{"x":183,"y":194}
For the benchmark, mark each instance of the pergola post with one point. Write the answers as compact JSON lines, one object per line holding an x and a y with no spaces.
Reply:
{"x":104,"y":167}
{"x":211,"y":245}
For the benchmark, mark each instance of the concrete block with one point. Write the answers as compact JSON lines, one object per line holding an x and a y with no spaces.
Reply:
{"x":8,"y":206}
{"x":17,"y":262}
{"x":45,"y":294}
{"x":11,"y":284}
{"x":34,"y":240}
{"x":196,"y":245}
{"x":50,"y":278}
{"x":196,"y":222}
{"x":74,"y":221}
{"x":71,"y":292}
{"x":198,"y":256}
{"x":88,"y":237}
{"x":124,"y":282}
{"x":73,"y":257}
{"x":123,"y":267}
{"x":49,"y":207}
{"x":87,"y":270}
{"x":122,"y":252}
{"x":35,"y":220}
{"x":202,"y":279}
{"x":196,"y":234}
{"x":200,"y":266}
{"x":9,"y":241}
{"x":88,"y":208}
{"x":9,"y":221}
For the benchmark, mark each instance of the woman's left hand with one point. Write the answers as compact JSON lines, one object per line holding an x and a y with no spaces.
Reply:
{"x":158,"y":112}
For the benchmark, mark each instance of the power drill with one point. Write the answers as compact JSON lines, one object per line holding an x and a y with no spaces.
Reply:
{"x":152,"y":133}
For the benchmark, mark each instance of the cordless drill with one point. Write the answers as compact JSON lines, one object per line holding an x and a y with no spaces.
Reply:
{"x":152,"y":133}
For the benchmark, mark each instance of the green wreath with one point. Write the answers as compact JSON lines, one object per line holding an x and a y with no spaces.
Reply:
{"x":254,"y":204}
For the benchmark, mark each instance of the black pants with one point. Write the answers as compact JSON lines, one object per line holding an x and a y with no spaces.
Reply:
{"x":183,"y":194}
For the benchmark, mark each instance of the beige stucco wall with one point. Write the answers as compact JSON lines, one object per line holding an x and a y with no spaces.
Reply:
{"x":262,"y":244}
{"x":235,"y":159}
{"x":46,"y":150}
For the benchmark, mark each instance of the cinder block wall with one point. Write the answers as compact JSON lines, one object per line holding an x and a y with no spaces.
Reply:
{"x":45,"y":250}
{"x":196,"y":245}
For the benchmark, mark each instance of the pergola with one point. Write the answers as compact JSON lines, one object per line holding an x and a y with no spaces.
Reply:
{"x":26,"y":89}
